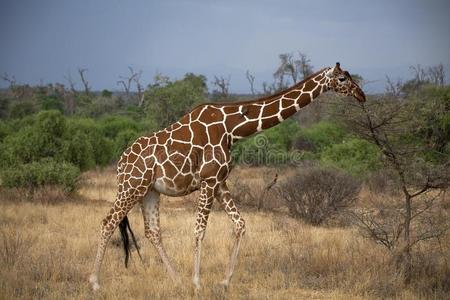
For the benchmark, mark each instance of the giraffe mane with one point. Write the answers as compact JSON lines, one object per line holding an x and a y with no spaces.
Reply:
{"x":262,"y":99}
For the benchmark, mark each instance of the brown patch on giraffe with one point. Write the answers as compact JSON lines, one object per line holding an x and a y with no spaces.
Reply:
{"x":232,"y":121}
{"x":252,"y":111}
{"x":136,"y":172}
{"x":210,"y":169}
{"x":200,"y":137}
{"x":316,"y":92}
{"x":184,"y":119}
{"x":223,"y":173}
{"x":140,"y":163}
{"x":246,"y":128}
{"x":177,"y":159}
{"x":147,"y":151}
{"x":304,"y":100}
{"x":182,"y":181}
{"x":230,"y":109}
{"x":267,"y":123}
{"x":128,"y":167}
{"x":136,"y":147}
{"x":309,"y":86}
{"x":215,"y":132}
{"x":210,"y":114}
{"x":160,"y":153}
{"x":286,"y":103}
{"x":131,"y":158}
{"x":288,"y":112}
{"x":170,"y":169}
{"x":162,"y":137}
{"x":219,"y":154}
{"x":271,"y":109}
{"x":183,"y":148}
{"x":182,"y":134}
{"x":292,"y":95}
{"x":208,"y":153}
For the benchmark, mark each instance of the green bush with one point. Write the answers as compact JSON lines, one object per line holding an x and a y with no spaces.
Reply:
{"x":271,"y":147}
{"x":94,"y":146}
{"x":356,"y":156}
{"x":44,"y":172}
{"x":111,"y":126}
{"x":323,"y":134}
{"x":123,"y":140}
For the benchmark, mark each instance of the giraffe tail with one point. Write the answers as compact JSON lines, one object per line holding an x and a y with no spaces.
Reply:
{"x":124,"y":227}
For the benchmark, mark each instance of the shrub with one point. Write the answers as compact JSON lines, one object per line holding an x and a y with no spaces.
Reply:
{"x":123,"y":140}
{"x":97,"y":149}
{"x":111,"y":126}
{"x":315,"y":194}
{"x":321,"y":135}
{"x":356,"y":156}
{"x":272,"y":147}
{"x":44,"y":172}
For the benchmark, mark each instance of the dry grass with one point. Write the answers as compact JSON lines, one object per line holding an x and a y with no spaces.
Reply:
{"x":47,"y":251}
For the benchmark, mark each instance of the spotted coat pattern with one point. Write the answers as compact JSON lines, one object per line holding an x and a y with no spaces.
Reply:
{"x":194,"y":154}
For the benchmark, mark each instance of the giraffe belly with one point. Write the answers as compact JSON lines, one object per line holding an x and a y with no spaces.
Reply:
{"x":181,"y":185}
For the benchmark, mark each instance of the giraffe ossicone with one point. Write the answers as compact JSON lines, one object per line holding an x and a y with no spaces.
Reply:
{"x":194,"y":154}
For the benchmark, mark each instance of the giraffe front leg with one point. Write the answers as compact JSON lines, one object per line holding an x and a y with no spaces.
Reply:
{"x":204,"y":208}
{"x":239,"y":229}
{"x":109,"y":224}
{"x":150,"y":212}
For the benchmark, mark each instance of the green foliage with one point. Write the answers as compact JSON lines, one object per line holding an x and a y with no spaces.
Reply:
{"x":323,"y":134}
{"x":123,"y":140}
{"x":166,"y":101}
{"x":106,"y":93}
{"x":51,"y":102}
{"x":112,"y":125}
{"x":271,"y":147}
{"x":43,"y":172}
{"x":431,"y":110}
{"x":22,"y":109}
{"x":356,"y":156}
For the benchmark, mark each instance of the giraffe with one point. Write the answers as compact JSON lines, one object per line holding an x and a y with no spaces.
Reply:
{"x":194,"y":154}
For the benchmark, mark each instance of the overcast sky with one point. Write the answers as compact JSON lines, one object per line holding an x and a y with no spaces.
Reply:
{"x":46,"y":40}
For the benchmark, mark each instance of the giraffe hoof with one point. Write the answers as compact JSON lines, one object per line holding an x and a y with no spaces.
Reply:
{"x":94,"y":282}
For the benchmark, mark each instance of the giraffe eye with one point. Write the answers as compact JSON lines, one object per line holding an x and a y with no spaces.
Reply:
{"x":341,"y":79}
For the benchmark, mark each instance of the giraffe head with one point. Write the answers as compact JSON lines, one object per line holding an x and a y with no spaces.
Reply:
{"x":342,"y":83}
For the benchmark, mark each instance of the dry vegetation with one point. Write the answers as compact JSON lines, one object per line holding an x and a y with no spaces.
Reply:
{"x":48,"y":246}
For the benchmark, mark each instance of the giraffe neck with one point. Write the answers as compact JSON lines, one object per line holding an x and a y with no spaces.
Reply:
{"x":260,"y":114}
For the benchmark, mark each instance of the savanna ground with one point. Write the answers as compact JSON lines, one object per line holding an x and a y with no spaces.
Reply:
{"x":48,"y":242}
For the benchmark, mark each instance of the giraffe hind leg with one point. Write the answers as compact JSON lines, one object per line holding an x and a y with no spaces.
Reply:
{"x":239,"y":230}
{"x":150,"y":213}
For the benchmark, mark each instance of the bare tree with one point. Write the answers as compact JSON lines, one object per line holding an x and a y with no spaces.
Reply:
{"x":139,"y":88}
{"x":393,"y":89}
{"x":17,"y":90}
{"x":268,"y":88}
{"x":436,"y":74}
{"x":71,"y":83}
{"x":222,"y":85}
{"x":387,"y":123}
{"x":303,"y":64}
{"x":251,"y":81}
{"x":296,"y":69}
{"x":86,"y":86}
{"x":126,"y":82}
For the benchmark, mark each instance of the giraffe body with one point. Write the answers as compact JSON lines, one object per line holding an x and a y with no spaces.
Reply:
{"x":194,"y":154}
